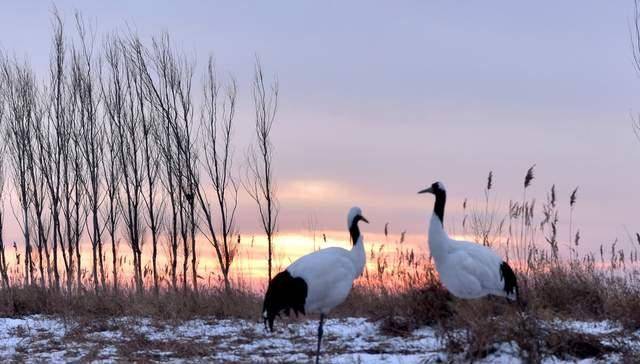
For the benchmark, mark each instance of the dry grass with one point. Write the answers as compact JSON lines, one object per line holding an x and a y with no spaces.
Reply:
{"x":166,"y":305}
{"x":476,"y":328}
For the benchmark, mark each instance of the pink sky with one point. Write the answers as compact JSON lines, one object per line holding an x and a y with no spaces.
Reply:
{"x":379,"y":101}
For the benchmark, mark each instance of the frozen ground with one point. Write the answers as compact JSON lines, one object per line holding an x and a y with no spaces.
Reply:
{"x":353,"y":340}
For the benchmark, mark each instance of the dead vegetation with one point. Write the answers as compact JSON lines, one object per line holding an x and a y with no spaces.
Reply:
{"x":167,"y":306}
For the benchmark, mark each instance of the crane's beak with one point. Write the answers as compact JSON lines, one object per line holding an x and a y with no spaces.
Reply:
{"x":426,"y":190}
{"x":363,"y":219}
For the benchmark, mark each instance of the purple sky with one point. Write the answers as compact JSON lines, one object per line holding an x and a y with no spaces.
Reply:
{"x":379,"y":101}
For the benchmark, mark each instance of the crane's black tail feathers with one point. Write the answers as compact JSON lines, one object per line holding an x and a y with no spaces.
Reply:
{"x":284,"y":293}
{"x":510,"y":281}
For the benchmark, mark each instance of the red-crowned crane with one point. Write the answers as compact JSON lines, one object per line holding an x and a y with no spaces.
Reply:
{"x":467,"y":270}
{"x":319,"y":281}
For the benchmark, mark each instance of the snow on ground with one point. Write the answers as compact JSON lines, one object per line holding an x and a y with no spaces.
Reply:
{"x":352,"y":340}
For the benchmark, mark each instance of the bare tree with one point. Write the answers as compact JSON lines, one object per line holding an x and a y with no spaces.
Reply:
{"x":217,"y":117}
{"x":51,"y":139}
{"x":66,"y":191}
{"x":90,"y":144}
{"x":38,"y":190}
{"x":150,"y":118}
{"x":3,"y":261}
{"x":111,"y":171}
{"x":113,"y":94}
{"x":76,"y":208}
{"x":168,"y":179}
{"x":132,"y":164}
{"x":70,"y":176}
{"x":259,"y":183}
{"x":185,"y":139}
{"x":168,"y":79}
{"x":151,"y":157}
{"x":19,"y":95}
{"x":165,"y":98}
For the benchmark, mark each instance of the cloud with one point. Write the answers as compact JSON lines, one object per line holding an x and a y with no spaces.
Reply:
{"x":319,"y":192}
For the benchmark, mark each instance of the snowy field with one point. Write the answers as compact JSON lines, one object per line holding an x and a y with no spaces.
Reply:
{"x":354,"y":340}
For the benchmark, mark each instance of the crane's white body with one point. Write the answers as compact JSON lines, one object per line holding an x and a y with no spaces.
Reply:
{"x":329,"y":274}
{"x":467,"y":270}
{"x":319,"y":281}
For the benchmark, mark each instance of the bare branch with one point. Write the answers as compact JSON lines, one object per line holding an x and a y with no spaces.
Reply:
{"x":259,"y":182}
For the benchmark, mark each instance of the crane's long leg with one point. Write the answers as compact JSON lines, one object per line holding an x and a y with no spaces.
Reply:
{"x":319,"y":337}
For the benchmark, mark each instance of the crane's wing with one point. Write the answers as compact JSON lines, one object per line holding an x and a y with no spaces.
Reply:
{"x":329,"y":274}
{"x":480,"y":262}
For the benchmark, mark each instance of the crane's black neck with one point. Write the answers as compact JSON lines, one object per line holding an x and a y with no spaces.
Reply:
{"x":354,"y":230}
{"x":438,"y":207}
